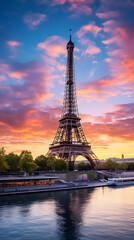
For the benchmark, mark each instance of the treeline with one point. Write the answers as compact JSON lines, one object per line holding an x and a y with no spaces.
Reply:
{"x":82,"y":166}
{"x":25,"y":162}
{"x":107,"y":165}
{"x":114,"y":166}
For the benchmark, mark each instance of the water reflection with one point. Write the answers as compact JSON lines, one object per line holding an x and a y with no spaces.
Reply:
{"x":100,"y":213}
{"x":69,"y":209}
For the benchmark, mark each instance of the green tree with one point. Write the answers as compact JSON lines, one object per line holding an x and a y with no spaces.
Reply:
{"x":13,"y":161}
{"x":60,"y":165}
{"x":123,"y":166}
{"x":41,"y":162}
{"x":110,"y":165}
{"x":83,"y":166}
{"x":99,"y":166}
{"x":51,"y":163}
{"x":3,"y":164}
{"x":26,"y":162}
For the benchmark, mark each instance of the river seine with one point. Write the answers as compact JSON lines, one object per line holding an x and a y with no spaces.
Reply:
{"x":94,"y":214}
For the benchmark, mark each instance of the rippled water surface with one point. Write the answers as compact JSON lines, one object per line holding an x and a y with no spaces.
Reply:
{"x":99,"y":213}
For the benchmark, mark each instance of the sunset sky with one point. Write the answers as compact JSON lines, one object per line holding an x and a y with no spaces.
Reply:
{"x":33,"y":37}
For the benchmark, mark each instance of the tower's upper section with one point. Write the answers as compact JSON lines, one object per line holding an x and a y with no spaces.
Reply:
{"x":70,"y":44}
{"x":70,"y":108}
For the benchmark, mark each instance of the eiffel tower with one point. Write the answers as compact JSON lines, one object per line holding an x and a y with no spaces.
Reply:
{"x":70,"y":141}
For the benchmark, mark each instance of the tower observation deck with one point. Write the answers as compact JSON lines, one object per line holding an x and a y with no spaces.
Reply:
{"x":70,"y":140}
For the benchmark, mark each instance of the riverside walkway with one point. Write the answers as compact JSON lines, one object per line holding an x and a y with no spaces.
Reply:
{"x":51,"y":188}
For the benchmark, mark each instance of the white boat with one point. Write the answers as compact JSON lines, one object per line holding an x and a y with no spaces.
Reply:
{"x":120,"y":181}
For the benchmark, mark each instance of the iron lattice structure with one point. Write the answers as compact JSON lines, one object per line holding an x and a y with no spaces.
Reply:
{"x":70,"y":140}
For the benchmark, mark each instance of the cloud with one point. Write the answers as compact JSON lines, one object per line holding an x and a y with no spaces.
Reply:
{"x":78,"y":7}
{"x":91,"y":47}
{"x":98,"y":89}
{"x":54,"y":46}
{"x":109,"y":14}
{"x":32,"y":126}
{"x":2,"y":78}
{"x":114,"y":127}
{"x":34,"y":19}
{"x":91,"y":27}
{"x":121,"y":53}
{"x":27,"y":124}
{"x":31,"y":84}
{"x":13,"y":44}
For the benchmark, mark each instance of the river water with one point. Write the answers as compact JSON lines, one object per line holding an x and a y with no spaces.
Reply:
{"x":94,"y":214}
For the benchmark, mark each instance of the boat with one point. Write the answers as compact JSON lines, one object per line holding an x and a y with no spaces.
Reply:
{"x":120,"y":181}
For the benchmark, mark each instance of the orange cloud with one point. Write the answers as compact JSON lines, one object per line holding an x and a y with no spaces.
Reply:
{"x":113,"y":128}
{"x":38,"y":127}
{"x":99,"y":90}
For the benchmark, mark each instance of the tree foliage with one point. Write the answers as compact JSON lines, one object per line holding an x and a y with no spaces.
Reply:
{"x":110,"y":165}
{"x":13,"y":161}
{"x":61,"y":165}
{"x":83,"y":166}
{"x":3,"y":164}
{"x":122,"y":166}
{"x":26,"y":162}
{"x":51,"y":163}
{"x":41,"y":162}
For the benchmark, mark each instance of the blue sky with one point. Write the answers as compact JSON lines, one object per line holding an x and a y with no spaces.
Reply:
{"x":33,"y":37}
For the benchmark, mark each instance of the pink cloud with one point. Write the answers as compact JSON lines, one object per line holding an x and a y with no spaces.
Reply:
{"x":91,"y":27}
{"x":91,"y":48}
{"x":121,"y":63}
{"x":107,"y":60}
{"x":34,"y":19}
{"x":108,"y":14}
{"x":18,"y":75}
{"x":2,"y":78}
{"x":115,"y":126}
{"x":33,"y":87}
{"x":54,"y":46}
{"x":78,"y":7}
{"x":13,"y":44}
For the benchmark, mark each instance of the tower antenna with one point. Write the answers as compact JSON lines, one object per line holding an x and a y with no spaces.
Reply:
{"x":70,"y":33}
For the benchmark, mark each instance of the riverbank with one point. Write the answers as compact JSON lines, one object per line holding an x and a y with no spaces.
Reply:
{"x":52,"y":188}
